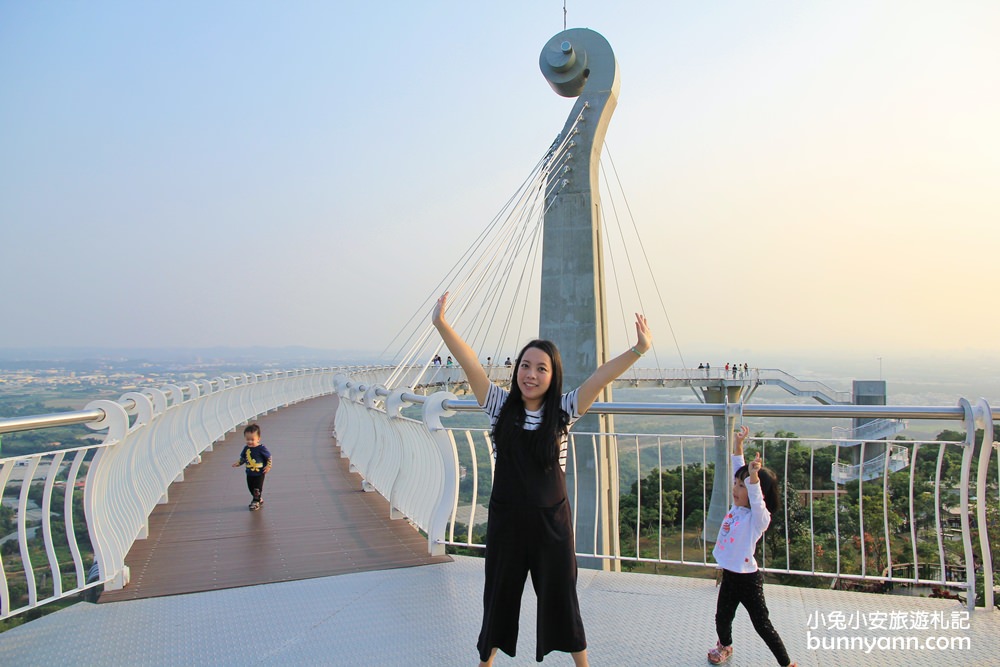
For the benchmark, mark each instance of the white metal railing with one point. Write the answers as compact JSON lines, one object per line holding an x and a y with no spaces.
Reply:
{"x":429,"y":376}
{"x":418,"y":465}
{"x":872,"y":528}
{"x":151,"y":436}
{"x":412,"y":464}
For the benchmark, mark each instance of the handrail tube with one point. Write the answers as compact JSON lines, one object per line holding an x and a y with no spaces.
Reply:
{"x":747,"y":409}
{"x":14,"y":424}
{"x":752,"y":410}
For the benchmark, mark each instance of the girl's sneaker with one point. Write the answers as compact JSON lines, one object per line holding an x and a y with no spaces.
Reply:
{"x":720,"y":654}
{"x":254,"y":506}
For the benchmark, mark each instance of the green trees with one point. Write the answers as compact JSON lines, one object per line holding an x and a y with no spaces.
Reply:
{"x":680,"y":494}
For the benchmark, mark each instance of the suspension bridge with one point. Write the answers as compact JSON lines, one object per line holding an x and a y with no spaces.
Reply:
{"x":376,"y":480}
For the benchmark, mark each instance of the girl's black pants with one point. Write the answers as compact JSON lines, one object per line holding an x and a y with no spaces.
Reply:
{"x":746,"y":589}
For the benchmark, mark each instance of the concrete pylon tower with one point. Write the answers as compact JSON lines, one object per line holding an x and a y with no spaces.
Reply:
{"x":580,"y":63}
{"x":722,"y":482}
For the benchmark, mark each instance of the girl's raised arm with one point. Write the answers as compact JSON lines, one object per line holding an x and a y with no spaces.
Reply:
{"x":479,"y":382}
{"x":610,"y":370}
{"x":741,"y":435}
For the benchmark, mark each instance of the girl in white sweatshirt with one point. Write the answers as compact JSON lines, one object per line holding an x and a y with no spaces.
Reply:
{"x":755,"y":496}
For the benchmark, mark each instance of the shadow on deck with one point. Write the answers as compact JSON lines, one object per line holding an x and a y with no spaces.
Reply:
{"x":316,"y":520}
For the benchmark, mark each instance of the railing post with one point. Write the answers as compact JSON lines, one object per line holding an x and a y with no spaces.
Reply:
{"x":447,"y":496}
{"x":984,"y":416}
{"x":112,"y":566}
{"x":970,"y":558}
{"x":394,"y":404}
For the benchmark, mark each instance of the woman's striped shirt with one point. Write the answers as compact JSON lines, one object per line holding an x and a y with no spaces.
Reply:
{"x":496,"y":397}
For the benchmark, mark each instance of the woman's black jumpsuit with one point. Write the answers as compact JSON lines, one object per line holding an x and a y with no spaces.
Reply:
{"x":530,"y":529}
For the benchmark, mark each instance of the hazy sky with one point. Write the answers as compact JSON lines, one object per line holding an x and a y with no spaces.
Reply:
{"x":805,"y":175}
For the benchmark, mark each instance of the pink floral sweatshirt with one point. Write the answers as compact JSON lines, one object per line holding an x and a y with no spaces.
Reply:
{"x":741,"y":529}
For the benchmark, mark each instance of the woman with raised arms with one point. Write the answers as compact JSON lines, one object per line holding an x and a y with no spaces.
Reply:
{"x":530,"y":525}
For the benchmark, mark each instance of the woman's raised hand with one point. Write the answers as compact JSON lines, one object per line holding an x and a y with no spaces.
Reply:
{"x":643,"y":333}
{"x":437,"y":316}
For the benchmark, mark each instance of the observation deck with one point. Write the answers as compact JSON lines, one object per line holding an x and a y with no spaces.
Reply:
{"x":429,"y":616}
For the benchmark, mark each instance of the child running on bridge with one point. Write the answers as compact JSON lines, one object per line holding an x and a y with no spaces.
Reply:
{"x":755,"y":497}
{"x":257,"y":460}
{"x":530,"y":525}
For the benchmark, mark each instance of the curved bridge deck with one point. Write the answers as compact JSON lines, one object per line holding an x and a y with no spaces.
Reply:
{"x":316,"y":521}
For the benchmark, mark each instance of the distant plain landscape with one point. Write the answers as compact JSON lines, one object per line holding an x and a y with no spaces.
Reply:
{"x":37,"y":381}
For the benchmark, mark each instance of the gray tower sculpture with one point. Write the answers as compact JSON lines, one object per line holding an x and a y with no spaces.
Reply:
{"x":580,"y":63}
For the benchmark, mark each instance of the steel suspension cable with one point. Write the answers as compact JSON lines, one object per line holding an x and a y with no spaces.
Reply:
{"x":614,"y":270}
{"x":484,"y":272}
{"x":645,"y":256}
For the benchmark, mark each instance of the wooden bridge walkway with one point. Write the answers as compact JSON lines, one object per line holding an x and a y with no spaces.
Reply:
{"x":316,"y":520}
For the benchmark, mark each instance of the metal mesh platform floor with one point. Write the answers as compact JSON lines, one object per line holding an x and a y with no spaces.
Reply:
{"x":430,"y":615}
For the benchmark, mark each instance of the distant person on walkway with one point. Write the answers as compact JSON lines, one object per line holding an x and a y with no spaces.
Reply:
{"x":508,"y":363}
{"x":450,"y":362}
{"x":530,"y":526}
{"x":755,"y":498}
{"x":257,"y":460}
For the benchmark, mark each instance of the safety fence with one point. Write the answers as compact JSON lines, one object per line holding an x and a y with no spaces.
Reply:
{"x":92,"y":502}
{"x":931,"y":522}
{"x":870,"y":514}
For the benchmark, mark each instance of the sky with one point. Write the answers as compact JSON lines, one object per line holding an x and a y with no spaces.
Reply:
{"x":805,"y":176}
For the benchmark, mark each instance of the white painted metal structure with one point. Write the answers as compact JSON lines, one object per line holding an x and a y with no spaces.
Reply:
{"x":150,"y":437}
{"x":447,"y":447}
{"x":153,"y":434}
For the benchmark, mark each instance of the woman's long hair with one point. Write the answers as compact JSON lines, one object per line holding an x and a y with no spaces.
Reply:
{"x":555,"y":422}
